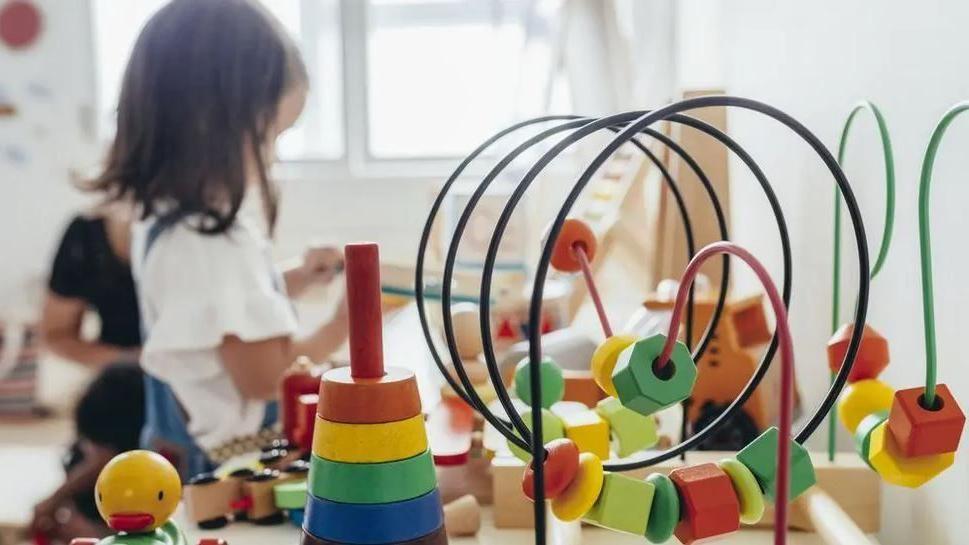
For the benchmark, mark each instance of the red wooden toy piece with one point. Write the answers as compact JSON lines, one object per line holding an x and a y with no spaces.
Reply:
{"x":363,"y":305}
{"x":921,"y":431}
{"x":872,"y":356}
{"x":347,"y":398}
{"x":561,"y":465}
{"x":306,"y":407}
{"x":449,"y":428}
{"x":574,"y":232}
{"x":300,"y":379}
{"x":709,"y":505}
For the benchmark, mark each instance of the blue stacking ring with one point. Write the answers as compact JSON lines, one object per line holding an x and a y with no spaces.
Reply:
{"x":370,"y":524}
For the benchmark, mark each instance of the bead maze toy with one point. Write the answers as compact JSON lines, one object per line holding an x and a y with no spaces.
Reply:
{"x":570,"y":461}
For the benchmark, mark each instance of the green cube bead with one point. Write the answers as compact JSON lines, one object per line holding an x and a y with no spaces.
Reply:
{"x":623,"y":505}
{"x":760,"y":457}
{"x":631,"y":431}
{"x":863,"y":433}
{"x":553,"y":383}
{"x":645,"y":391}
{"x":552,"y":428}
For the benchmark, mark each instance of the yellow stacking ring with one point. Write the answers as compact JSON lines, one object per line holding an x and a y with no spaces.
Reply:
{"x":604,"y":361}
{"x":747,"y":489}
{"x":583,"y":492}
{"x":369,"y":443}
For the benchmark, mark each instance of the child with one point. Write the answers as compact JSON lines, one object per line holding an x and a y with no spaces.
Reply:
{"x":209,"y":87}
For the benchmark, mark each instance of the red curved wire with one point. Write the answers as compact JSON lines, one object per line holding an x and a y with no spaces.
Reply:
{"x":787,"y":362}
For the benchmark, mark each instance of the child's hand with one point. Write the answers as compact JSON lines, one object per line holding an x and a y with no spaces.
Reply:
{"x":322,"y":263}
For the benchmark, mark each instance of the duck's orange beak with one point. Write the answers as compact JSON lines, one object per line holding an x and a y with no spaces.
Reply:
{"x":130,"y":522}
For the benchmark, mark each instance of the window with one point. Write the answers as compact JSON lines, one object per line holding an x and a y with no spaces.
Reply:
{"x":391,"y":80}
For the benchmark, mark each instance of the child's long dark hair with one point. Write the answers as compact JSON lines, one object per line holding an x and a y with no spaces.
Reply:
{"x":203,"y":83}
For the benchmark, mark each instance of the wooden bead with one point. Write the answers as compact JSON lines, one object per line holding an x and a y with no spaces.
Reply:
{"x":462,"y":517}
{"x":291,"y":495}
{"x":638,"y":385}
{"x":368,"y":524}
{"x":862,"y":398}
{"x":588,"y":430}
{"x":351,"y":400}
{"x":582,"y":493}
{"x":709,"y":505}
{"x":604,"y":361}
{"x":369,"y":443}
{"x":664,"y":514}
{"x":872,"y":357}
{"x":631,"y":431}
{"x":747,"y":489}
{"x":863,"y":434}
{"x":623,"y":505}
{"x":561,"y":466}
{"x":581,"y":386}
{"x":760,"y":457}
{"x":889,"y":461}
{"x":553,"y":383}
{"x":919,"y":431}
{"x":386,"y":482}
{"x":552,"y":428}
{"x":573,"y":232}
{"x":467,"y":330}
{"x":437,"y":537}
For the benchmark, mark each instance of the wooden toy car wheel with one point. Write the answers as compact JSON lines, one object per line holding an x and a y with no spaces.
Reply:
{"x":212,"y":541}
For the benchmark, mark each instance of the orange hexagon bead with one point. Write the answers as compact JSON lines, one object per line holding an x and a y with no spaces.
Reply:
{"x":872,"y":355}
{"x":861,"y":399}
{"x":573,"y":232}
{"x":886,"y":458}
{"x":709,"y":505}
{"x":919,"y":431}
{"x":561,"y":465}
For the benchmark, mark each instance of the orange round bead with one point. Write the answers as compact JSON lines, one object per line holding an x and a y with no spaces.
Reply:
{"x":561,"y":465}
{"x":574,"y":232}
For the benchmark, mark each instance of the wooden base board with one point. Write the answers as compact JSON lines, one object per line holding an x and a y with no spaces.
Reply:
{"x":852,"y":485}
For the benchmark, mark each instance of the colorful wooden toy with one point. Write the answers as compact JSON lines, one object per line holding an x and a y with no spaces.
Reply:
{"x":872,"y":357}
{"x":861,"y":399}
{"x":306,"y":410}
{"x":301,"y":378}
{"x":646,"y":389}
{"x":587,"y":429}
{"x":574,"y":232}
{"x":709,"y":505}
{"x":604,"y":360}
{"x":208,"y":500}
{"x":623,"y":505}
{"x":369,"y":443}
{"x":923,"y":431}
{"x":863,"y":433}
{"x":386,"y":482}
{"x":437,"y":537}
{"x":368,"y":524}
{"x":760,"y":457}
{"x":581,"y":494}
{"x":352,"y":400}
{"x":450,"y":426}
{"x":581,"y":386}
{"x":664,"y":512}
{"x":553,"y":383}
{"x":561,"y":466}
{"x":552,"y":428}
{"x":631,"y":431}
{"x":895,"y":468}
{"x":747,"y":488}
{"x":137,"y":492}
{"x":291,"y":495}
{"x":259,"y":501}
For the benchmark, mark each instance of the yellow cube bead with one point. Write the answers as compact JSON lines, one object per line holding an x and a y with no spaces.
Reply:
{"x":604,"y":361}
{"x":586,"y":429}
{"x":861,"y":399}
{"x":887,"y":459}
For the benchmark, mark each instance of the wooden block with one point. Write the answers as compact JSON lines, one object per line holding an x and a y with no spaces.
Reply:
{"x":510,"y":509}
{"x":369,"y":443}
{"x":438,"y":537}
{"x":449,"y":428}
{"x":290,"y":495}
{"x":552,"y":428}
{"x":374,"y":523}
{"x":888,"y":460}
{"x":351,"y":400}
{"x":632,"y":431}
{"x":623,"y":505}
{"x":386,"y":482}
{"x":208,"y":500}
{"x":604,"y":361}
{"x":861,"y":399}
{"x":574,"y":232}
{"x":638,"y":385}
{"x":747,"y":488}
{"x":708,"y":502}
{"x":872,"y":357}
{"x":589,"y":432}
{"x":261,"y":501}
{"x":553,"y":383}
{"x":462,"y":517}
{"x":922,"y":432}
{"x":582,"y":493}
{"x":760,"y":457}
{"x":467,"y":330}
{"x":581,"y":387}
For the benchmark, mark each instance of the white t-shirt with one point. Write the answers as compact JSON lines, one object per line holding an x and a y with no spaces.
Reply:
{"x":195,"y":289}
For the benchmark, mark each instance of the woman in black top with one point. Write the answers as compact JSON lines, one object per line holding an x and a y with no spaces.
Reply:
{"x":91,"y":272}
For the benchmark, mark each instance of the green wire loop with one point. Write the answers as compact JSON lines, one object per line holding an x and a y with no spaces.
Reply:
{"x":925,"y":249}
{"x":886,"y":232}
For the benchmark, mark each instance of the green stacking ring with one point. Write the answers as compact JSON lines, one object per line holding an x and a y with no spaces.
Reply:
{"x":665,"y":511}
{"x":385,"y":482}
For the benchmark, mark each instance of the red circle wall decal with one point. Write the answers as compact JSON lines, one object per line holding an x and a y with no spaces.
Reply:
{"x":20,"y":23}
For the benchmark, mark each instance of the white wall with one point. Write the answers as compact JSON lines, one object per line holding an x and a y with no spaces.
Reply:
{"x":814,"y":60}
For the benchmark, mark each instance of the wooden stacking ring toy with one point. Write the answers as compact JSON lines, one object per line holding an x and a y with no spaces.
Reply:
{"x":385,"y":482}
{"x":350,"y":400}
{"x":561,"y":466}
{"x":369,"y":443}
{"x":582,"y":492}
{"x":370,"y":524}
{"x":437,"y":537}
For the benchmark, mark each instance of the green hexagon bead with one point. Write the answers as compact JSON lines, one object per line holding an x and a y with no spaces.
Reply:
{"x":760,"y":457}
{"x":553,"y":383}
{"x":640,"y":389}
{"x":552,"y":428}
{"x":863,"y":433}
{"x":664,"y":514}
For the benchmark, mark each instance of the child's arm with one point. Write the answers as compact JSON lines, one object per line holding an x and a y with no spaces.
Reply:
{"x":256,"y":367}
{"x":320,"y":264}
{"x":60,"y":327}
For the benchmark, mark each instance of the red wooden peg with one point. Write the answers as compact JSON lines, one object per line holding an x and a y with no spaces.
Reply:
{"x":363,"y":305}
